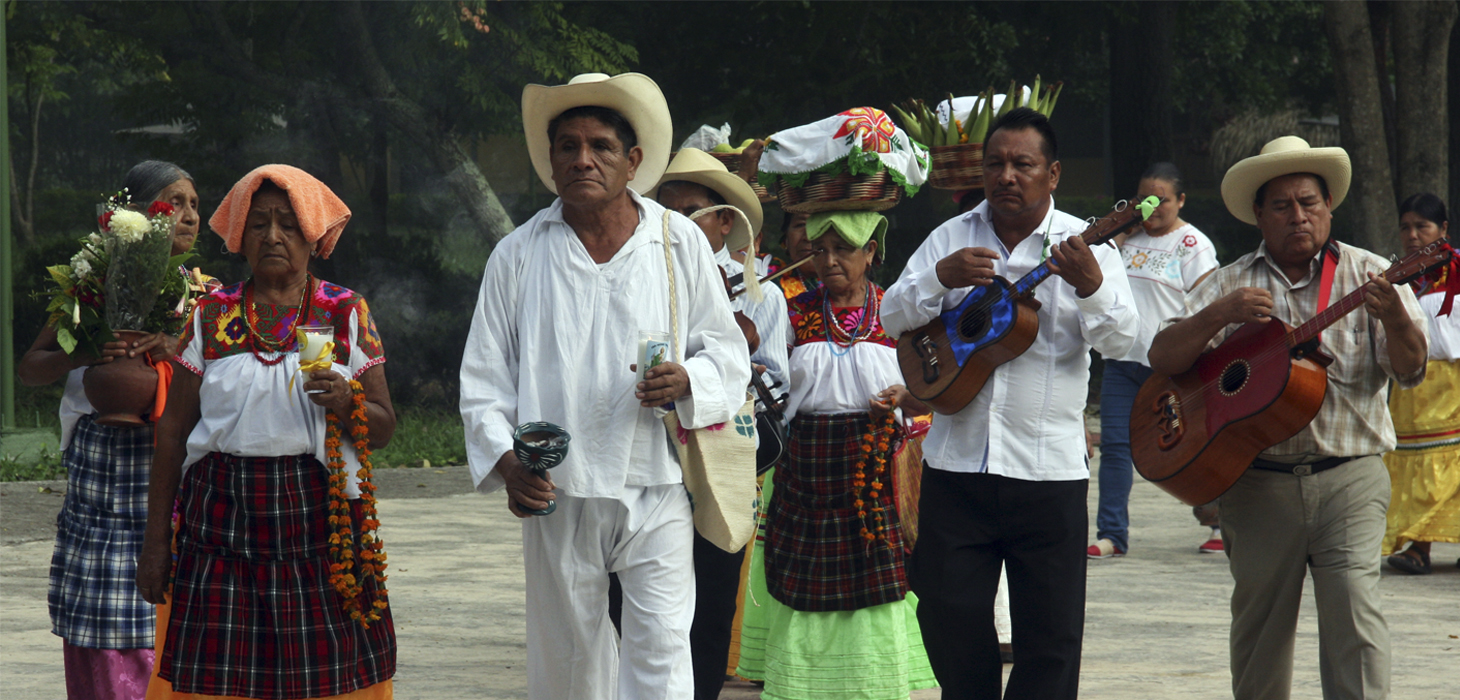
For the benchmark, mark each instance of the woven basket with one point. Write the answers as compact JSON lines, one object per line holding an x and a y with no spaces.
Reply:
{"x":824,"y":192}
{"x":957,"y":167}
{"x":732,"y":163}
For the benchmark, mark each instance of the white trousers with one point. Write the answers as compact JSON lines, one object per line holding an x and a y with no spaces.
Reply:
{"x":647,"y":539}
{"x":1002,"y":623}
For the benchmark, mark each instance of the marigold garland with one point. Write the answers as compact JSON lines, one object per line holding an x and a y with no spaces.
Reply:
{"x":342,"y":545}
{"x":876,"y":448}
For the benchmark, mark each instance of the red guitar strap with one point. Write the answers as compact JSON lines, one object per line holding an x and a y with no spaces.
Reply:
{"x":1325,"y":283}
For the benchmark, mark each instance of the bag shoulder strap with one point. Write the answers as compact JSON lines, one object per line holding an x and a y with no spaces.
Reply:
{"x":673,"y":296}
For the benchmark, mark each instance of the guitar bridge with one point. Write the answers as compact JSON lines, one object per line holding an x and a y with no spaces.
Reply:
{"x":1168,"y":407}
{"x":928,"y":351}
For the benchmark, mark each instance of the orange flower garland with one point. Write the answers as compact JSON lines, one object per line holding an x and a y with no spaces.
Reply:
{"x":342,"y":546}
{"x":876,"y":448}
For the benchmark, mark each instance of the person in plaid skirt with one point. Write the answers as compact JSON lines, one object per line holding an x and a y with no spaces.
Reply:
{"x":105,"y":625}
{"x":261,"y":491}
{"x":838,"y":617}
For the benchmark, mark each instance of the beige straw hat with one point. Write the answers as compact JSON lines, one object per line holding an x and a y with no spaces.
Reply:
{"x":1284,"y":155}
{"x":634,"y":95}
{"x":694,"y":165}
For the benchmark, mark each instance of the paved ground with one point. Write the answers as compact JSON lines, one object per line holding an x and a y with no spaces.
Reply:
{"x":1156,"y":620}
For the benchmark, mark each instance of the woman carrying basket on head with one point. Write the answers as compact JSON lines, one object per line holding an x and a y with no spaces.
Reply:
{"x":836,"y":608}
{"x":277,"y":590}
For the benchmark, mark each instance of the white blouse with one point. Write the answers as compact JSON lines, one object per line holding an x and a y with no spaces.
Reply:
{"x":827,"y":378}
{"x":1444,"y":330}
{"x":249,"y":409}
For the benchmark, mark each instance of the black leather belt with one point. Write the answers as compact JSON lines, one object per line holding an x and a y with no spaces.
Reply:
{"x":1321,"y":465}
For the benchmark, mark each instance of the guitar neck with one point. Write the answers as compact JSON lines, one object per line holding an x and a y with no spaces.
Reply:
{"x":1101,"y":231}
{"x":1412,"y":266}
{"x":1326,"y":318}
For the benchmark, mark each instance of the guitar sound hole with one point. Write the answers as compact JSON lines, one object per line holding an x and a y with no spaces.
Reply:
{"x":1234,"y":377}
{"x":973,"y":324}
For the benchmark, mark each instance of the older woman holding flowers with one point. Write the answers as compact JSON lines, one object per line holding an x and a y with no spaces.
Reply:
{"x":839,"y":620}
{"x":106,"y":627}
{"x":277,"y":589}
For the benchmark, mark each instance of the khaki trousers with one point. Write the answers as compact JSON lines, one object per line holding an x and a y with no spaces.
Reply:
{"x":1277,"y":528}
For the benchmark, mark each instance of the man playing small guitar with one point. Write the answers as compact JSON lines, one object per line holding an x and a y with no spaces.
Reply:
{"x":1006,"y":477}
{"x":1314,"y":502}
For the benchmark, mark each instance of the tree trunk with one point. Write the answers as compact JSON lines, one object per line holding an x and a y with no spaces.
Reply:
{"x":443,"y":147}
{"x":1141,"y":76}
{"x":1370,"y":205}
{"x":1381,"y":18}
{"x":1421,"y":33}
{"x":25,"y":208}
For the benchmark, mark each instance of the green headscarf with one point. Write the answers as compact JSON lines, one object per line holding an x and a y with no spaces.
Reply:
{"x":857,"y":227}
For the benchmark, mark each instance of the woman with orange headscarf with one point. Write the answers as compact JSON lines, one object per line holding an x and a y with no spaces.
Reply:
{"x":277,"y":589}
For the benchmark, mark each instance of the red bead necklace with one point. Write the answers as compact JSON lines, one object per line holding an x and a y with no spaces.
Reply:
{"x":250,"y":319}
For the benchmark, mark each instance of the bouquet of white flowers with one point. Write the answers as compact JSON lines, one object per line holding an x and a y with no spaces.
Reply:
{"x":120,"y":279}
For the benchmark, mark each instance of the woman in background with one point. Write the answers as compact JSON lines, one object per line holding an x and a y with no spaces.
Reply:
{"x":1163,"y":261}
{"x":105,"y":625}
{"x":1424,"y":470}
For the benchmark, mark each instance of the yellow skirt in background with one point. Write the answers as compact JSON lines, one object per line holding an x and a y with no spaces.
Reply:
{"x":1424,"y":470}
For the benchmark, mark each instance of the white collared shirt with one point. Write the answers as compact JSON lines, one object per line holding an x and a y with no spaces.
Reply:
{"x":770,"y":318}
{"x":1028,"y":420}
{"x":554,"y":334}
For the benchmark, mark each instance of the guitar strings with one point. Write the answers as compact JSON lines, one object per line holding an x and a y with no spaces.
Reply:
{"x":1352,"y":300}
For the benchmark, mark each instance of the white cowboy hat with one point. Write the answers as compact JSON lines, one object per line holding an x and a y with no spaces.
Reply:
{"x":633,"y":95}
{"x":694,"y":165}
{"x":1284,"y":155}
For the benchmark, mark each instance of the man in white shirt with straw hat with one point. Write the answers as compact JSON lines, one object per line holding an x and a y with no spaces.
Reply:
{"x":1313,"y":503}
{"x":727,"y":210}
{"x":564,"y":302}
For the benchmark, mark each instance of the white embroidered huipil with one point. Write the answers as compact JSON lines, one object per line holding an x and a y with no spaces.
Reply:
{"x":1027,"y":422}
{"x":770,"y":320}
{"x":554,"y":334}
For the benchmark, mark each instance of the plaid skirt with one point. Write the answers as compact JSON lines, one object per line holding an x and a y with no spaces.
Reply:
{"x":816,"y":559}
{"x":92,"y":594}
{"x":253,"y":612}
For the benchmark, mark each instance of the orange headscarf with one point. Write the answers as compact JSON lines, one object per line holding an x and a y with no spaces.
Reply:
{"x":322,"y":216}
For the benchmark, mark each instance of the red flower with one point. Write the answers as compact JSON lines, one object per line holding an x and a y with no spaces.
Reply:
{"x":160,"y":207}
{"x":105,"y":220}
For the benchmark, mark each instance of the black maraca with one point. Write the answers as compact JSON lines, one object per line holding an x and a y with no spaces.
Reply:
{"x":540,"y":446}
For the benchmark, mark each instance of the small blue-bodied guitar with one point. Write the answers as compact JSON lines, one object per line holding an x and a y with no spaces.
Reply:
{"x":946,"y":363}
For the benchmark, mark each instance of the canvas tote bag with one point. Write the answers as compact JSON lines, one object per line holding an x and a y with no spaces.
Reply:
{"x":719,"y":460}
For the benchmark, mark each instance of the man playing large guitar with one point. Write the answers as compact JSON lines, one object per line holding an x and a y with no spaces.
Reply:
{"x":1006,"y":477}
{"x":1315,"y":501}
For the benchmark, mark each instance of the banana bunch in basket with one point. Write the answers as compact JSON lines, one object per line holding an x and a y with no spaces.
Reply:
{"x":927,"y":126}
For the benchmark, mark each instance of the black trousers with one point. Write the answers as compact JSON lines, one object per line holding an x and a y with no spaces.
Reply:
{"x":717,"y":580}
{"x":969,"y":525}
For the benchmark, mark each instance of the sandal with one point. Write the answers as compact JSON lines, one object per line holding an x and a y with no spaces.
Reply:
{"x":1411,"y":561}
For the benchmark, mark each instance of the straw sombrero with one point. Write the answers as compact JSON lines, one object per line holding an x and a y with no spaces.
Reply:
{"x":694,"y":165}
{"x":1284,"y":155}
{"x":634,"y":95}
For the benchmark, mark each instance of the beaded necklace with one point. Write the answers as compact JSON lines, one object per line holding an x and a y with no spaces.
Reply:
{"x":836,"y":336}
{"x":250,"y":319}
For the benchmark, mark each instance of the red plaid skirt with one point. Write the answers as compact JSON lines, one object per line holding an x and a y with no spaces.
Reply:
{"x":816,"y":559}
{"x":253,"y":612}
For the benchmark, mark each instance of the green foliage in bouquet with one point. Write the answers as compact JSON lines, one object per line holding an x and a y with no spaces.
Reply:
{"x":123,"y":278}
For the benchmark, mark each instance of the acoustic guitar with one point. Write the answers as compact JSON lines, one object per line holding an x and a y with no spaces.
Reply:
{"x":946,"y":363}
{"x":1195,"y":433}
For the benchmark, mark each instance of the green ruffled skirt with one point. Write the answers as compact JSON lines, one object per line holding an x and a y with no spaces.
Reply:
{"x":874,"y":653}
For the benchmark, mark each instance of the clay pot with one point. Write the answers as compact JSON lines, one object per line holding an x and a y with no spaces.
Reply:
{"x":122,"y":391}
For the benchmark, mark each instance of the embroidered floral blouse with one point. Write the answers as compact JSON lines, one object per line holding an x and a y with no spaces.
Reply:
{"x":829,"y":378}
{"x":248,"y":407}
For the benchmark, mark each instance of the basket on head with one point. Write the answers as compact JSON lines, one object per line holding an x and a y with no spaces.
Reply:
{"x":732,"y":163}
{"x":823,"y":192}
{"x":958,"y":167}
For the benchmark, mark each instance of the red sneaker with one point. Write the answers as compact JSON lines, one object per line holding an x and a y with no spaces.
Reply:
{"x":1212,"y":546}
{"x":1103,"y":549}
